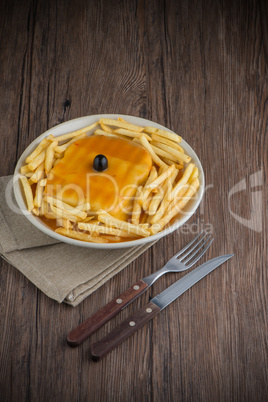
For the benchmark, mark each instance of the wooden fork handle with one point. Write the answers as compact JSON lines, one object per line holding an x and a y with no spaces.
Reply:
{"x":97,"y":320}
{"x":123,"y":331}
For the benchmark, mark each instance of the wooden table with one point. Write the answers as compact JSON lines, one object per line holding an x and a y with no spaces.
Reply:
{"x":200,"y":69}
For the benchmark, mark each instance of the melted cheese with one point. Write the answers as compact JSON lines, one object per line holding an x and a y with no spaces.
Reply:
{"x":74,"y":180}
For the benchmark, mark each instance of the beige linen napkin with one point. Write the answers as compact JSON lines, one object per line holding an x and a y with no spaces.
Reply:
{"x":63,"y":272}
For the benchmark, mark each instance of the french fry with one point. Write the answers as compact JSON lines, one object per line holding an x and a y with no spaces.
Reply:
{"x":170,"y":162}
{"x":129,"y":133}
{"x":66,"y":207}
{"x":25,"y":169}
{"x":152,"y":176}
{"x":169,"y":135}
{"x":65,"y":137}
{"x":101,"y":132}
{"x":63,"y":214}
{"x":111,"y":238}
{"x":164,"y":203}
{"x":194,"y":174}
{"x":41,"y":147}
{"x":62,"y":148}
{"x":84,"y":207}
{"x":27,"y":192}
{"x":166,"y":141}
{"x":37,"y":161}
{"x":162,"y":169}
{"x":29,"y":175}
{"x":56,"y":161}
{"x":109,"y":220}
{"x":184,"y":179}
{"x":39,"y":173}
{"x":160,"y":152}
{"x":176,"y":208}
{"x":162,"y":211}
{"x":149,"y":130}
{"x":105,"y":128}
{"x":167,"y":173}
{"x":146,"y":203}
{"x":117,"y":123}
{"x":144,"y":225}
{"x":100,"y":229}
{"x":136,"y":210}
{"x":67,"y":224}
{"x":50,"y":156}
{"x":151,"y":151}
{"x":120,"y":119}
{"x":157,"y":198}
{"x":179,"y":197}
{"x":35,"y":211}
{"x":43,"y":182}
{"x":58,"y":155}
{"x":137,"y":140}
{"x":38,"y":195}
{"x":88,"y":218}
{"x":178,"y":154}
{"x":50,"y":215}
{"x":145,"y":192}
{"x":73,"y":234}
{"x":44,"y":208}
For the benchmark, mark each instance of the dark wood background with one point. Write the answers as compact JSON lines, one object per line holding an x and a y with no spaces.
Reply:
{"x":200,"y":69}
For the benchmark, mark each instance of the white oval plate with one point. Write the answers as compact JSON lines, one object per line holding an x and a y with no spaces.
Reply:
{"x":81,"y":122}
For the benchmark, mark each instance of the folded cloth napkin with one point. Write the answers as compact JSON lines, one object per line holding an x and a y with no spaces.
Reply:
{"x":63,"y":272}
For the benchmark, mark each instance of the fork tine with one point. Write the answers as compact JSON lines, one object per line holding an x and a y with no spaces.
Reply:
{"x":187,"y":245}
{"x":199,"y":255}
{"x":192,"y":249}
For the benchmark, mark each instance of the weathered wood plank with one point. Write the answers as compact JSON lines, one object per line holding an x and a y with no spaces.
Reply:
{"x":200,"y":68}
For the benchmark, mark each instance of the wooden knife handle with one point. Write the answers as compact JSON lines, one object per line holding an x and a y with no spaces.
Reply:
{"x":123,"y":331}
{"x":97,"y":320}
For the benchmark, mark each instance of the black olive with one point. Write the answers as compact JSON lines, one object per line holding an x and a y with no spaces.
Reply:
{"x":100,"y":163}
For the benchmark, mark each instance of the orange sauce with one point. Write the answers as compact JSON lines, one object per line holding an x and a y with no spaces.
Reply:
{"x":74,"y":180}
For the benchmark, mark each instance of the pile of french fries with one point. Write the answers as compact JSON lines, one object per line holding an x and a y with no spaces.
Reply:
{"x":171,"y":184}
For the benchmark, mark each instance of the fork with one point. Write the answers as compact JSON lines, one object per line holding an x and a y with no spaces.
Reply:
{"x":178,"y":263}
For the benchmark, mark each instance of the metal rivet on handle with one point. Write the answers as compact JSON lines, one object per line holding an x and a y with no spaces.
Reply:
{"x":136,"y":287}
{"x":149,"y":310}
{"x":119,"y":301}
{"x":132,"y":323}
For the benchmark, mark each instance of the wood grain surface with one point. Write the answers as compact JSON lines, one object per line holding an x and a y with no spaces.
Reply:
{"x":200,"y":69}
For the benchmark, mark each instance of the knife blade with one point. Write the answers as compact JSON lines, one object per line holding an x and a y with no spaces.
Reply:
{"x":101,"y":348}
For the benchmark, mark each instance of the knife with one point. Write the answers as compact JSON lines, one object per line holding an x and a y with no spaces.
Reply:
{"x":157,"y":304}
